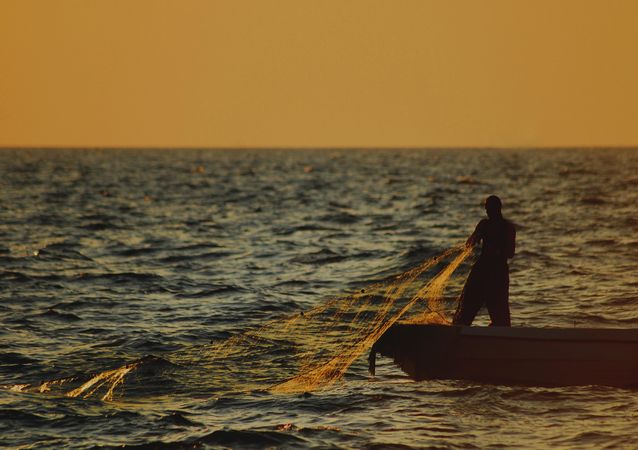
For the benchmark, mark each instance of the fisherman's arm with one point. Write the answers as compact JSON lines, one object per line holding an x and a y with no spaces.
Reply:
{"x":476,"y":236}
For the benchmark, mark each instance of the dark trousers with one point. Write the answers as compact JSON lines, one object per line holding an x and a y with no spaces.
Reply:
{"x":487,"y":284}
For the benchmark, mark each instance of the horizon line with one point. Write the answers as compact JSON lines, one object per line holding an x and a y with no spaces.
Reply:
{"x":307,"y":147}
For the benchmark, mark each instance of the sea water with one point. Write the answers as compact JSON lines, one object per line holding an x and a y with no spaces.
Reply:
{"x":109,"y":256}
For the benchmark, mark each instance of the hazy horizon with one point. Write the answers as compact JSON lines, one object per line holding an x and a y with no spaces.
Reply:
{"x":336,"y":148}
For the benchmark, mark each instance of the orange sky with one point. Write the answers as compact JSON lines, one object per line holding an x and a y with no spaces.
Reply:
{"x":318,"y":73}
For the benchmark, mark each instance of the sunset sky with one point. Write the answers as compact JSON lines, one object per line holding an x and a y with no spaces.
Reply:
{"x":424,"y":73}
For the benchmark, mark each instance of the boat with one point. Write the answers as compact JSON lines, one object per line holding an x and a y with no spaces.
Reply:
{"x":513,"y":355}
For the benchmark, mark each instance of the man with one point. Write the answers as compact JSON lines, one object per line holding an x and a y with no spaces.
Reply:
{"x":488,"y":282}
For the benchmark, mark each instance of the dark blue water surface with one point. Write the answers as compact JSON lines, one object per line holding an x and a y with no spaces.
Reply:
{"x":111,"y":255}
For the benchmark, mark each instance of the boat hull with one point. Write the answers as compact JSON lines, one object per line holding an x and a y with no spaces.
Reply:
{"x":504,"y":355}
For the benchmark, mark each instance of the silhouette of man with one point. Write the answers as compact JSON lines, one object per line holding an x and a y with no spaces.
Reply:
{"x":488,"y":281}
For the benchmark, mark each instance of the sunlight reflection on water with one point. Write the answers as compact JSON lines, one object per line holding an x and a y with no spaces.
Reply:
{"x":108,"y":256}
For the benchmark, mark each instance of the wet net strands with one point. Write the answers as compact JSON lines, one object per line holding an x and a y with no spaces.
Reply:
{"x":332,"y":370}
{"x":316,"y":346}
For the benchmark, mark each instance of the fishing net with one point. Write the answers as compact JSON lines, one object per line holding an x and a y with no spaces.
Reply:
{"x":299,"y":353}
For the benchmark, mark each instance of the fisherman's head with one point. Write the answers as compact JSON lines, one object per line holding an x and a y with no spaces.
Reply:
{"x":493,"y":207}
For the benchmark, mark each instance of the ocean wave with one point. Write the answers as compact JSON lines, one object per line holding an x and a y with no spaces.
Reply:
{"x":51,"y":313}
{"x":100,"y":226}
{"x":140,"y":255}
{"x":142,"y":251}
{"x":18,"y":277}
{"x":13,"y":358}
{"x":343,"y":218}
{"x":203,"y":291}
{"x":62,"y":251}
{"x":22,"y":418}
{"x":226,"y":438}
{"x":194,"y":257}
{"x":419,"y":252}
{"x":179,"y":419}
{"x":320,"y":257}
{"x":593,"y":200}
{"x":119,"y":277}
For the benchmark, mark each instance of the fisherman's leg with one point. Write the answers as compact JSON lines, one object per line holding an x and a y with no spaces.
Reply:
{"x":469,"y":302}
{"x":498,"y":301}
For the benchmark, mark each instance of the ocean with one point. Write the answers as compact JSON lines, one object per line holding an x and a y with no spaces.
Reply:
{"x":109,"y":256}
